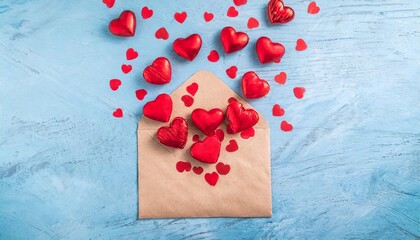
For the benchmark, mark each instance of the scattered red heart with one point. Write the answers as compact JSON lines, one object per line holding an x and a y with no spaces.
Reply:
{"x":277,"y":111}
{"x":223,"y":169}
{"x":211,"y":178}
{"x":313,"y":8}
{"x":114,"y":84}
{"x":239,"y":2}
{"x":232,"y":146}
{"x":109,"y":3}
{"x":233,"y":41}
{"x":213,"y":56}
{"x":208,"y":16}
{"x":192,"y":89}
{"x":180,"y":17}
{"x":118,"y":113}
{"x":300,"y":45}
{"x":146,"y":13}
{"x":246,"y":134}
{"x":131,"y":54}
{"x":126,"y":68}
{"x":162,"y":33}
{"x":141,"y":93}
{"x":183,"y":166}
{"x":281,"y":78}
{"x":285,"y":126}
{"x":232,"y":12}
{"x":232,"y":72}
{"x":299,"y":92}
{"x":188,"y":100}
{"x":198,"y":170}
{"x":253,"y":23}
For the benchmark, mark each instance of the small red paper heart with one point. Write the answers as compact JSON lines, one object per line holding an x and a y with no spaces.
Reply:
{"x":211,"y":178}
{"x":126,"y":68}
{"x":109,"y":3}
{"x":192,"y":89}
{"x":146,"y":13}
{"x":206,"y":151}
{"x":188,"y":47}
{"x":285,"y":126}
{"x":219,"y":134}
{"x":198,"y":170}
{"x":281,"y":78}
{"x":239,"y":2}
{"x":208,"y":16}
{"x":253,"y":87}
{"x":125,"y":25}
{"x":176,"y":135}
{"x":277,"y":110}
{"x":207,"y":121}
{"x":118,"y":113}
{"x":313,"y":8}
{"x":232,"y":12}
{"x":160,"y":109}
{"x":278,"y":13}
{"x":233,"y":41}
{"x":183,"y":166}
{"x":213,"y":56}
{"x":232,"y":99}
{"x":269,"y":51}
{"x":196,"y":138}
{"x":131,"y":54}
{"x":114,"y":84}
{"x":253,"y":23}
{"x":299,"y":92}
{"x":239,"y":118}
{"x":141,"y":93}
{"x":232,"y":72}
{"x":160,"y":72}
{"x":223,"y":169}
{"x":161,"y":33}
{"x":180,"y":17}
{"x":232,"y":146}
{"x":301,"y":45}
{"x":248,"y":133}
{"x":188,"y":100}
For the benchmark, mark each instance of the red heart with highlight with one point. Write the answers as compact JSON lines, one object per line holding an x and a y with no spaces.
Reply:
{"x":207,"y":121}
{"x":125,"y":25}
{"x":175,"y":135}
{"x":206,"y":151}
{"x":188,"y":47}
{"x":254,"y":87}
{"x":211,"y":178}
{"x":233,"y":41}
{"x":239,"y":118}
{"x":269,"y":51}
{"x":160,"y":72}
{"x":160,"y":109}
{"x":278,"y":13}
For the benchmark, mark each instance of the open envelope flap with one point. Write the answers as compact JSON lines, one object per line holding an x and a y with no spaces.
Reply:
{"x":166,"y":193}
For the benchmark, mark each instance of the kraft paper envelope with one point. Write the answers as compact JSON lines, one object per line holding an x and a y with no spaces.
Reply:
{"x":166,"y":193}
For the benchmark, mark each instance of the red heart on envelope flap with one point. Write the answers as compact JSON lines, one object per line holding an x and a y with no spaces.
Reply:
{"x":160,"y":109}
{"x":207,"y":121}
{"x":233,"y":41}
{"x":269,"y":51}
{"x":160,"y":72}
{"x":253,"y":86}
{"x":239,"y":118}
{"x":175,"y":135}
{"x":125,"y":25}
{"x":206,"y":151}
{"x":188,"y":47}
{"x":278,"y":13}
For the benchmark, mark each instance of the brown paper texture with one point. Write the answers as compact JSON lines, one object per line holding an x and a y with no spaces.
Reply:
{"x":166,"y":193}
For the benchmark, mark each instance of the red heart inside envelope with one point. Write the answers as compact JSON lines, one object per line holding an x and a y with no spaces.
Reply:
{"x":207,"y":121}
{"x":125,"y":25}
{"x":239,"y":118}
{"x":206,"y":151}
{"x":160,"y":109}
{"x":189,"y":47}
{"x":175,"y":135}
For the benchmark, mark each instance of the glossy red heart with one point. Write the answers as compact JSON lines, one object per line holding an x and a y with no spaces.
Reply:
{"x":207,"y":121}
{"x":188,"y":47}
{"x":206,"y":151}
{"x":183,"y":166}
{"x":211,"y":178}
{"x":180,"y":17}
{"x":233,"y":41}
{"x":131,"y":54}
{"x":232,"y":146}
{"x":254,"y":87}
{"x":146,"y":13}
{"x":278,"y":13}
{"x":269,"y":51}
{"x":239,"y":118}
{"x":175,"y":135}
{"x":125,"y":25}
{"x":160,"y":72}
{"x":160,"y":109}
{"x":223,"y":169}
{"x":232,"y":72}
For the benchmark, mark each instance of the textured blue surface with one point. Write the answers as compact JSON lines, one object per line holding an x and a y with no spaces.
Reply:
{"x":349,"y":170}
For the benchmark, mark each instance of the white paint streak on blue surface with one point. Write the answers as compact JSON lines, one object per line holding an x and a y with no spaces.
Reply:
{"x":349,"y":170}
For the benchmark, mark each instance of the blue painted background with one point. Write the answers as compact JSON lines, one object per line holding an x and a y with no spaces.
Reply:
{"x":349,"y":170}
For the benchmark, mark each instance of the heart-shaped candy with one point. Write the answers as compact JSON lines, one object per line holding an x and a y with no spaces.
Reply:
{"x":239,"y":118}
{"x":254,"y":87}
{"x":206,"y":151}
{"x":175,"y":135}
{"x":207,"y":121}
{"x":125,"y":25}
{"x":269,"y":51}
{"x":278,"y":13}
{"x":233,"y":41}
{"x":160,"y":109}
{"x":160,"y":72}
{"x":188,"y":47}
